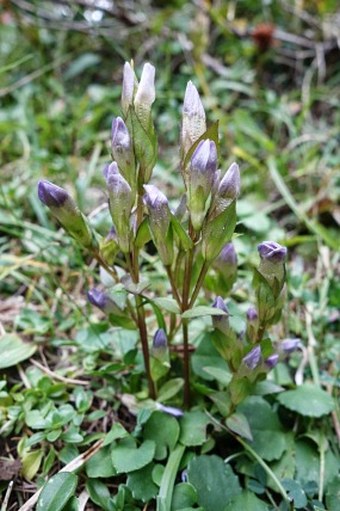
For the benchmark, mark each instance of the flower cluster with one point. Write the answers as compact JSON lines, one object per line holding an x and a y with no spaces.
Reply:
{"x":189,"y":241}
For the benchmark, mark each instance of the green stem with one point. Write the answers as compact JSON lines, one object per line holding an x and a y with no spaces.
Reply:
{"x":164,"y":497}
{"x":173,"y":285}
{"x":133,"y":262}
{"x":250,"y":451}
{"x":185,"y":306}
{"x":199,"y":283}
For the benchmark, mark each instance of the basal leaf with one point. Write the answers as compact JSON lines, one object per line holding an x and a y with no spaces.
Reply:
{"x":126,"y":457}
{"x":214,"y":481}
{"x":57,"y":491}
{"x":14,"y":350}
{"x":308,"y":400}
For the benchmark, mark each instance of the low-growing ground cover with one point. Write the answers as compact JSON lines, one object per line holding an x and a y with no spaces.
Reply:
{"x":239,"y":406}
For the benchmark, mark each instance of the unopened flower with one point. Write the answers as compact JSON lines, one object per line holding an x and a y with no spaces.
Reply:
{"x":129,"y":84}
{"x":201,"y":177}
{"x":171,"y":410}
{"x":160,"y":340}
{"x":252,"y":359}
{"x":252,"y":315}
{"x":121,"y":200}
{"x":290,"y":345}
{"x":271,"y":265}
{"x":272,"y":251}
{"x":227,"y":190}
{"x":193,"y":123}
{"x":252,"y":323}
{"x":221,"y":322}
{"x":145,"y":95}
{"x":226,"y":265}
{"x":272,"y":360}
{"x":103,"y":301}
{"x":159,"y":220}
{"x":122,"y":150}
{"x":66,"y":212}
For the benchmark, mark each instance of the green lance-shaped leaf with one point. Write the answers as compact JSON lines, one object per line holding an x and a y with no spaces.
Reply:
{"x":217,"y":231}
{"x":65,"y":210}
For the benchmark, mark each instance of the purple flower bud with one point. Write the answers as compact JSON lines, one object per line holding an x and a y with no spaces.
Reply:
{"x":219,"y":304}
{"x":200,"y":180}
{"x":252,"y":315}
{"x":119,"y":135}
{"x":160,"y":339}
{"x":66,"y":212}
{"x":272,"y":360}
{"x":103,"y":301}
{"x":230,"y":184}
{"x":129,"y":82}
{"x":171,"y":410}
{"x":122,"y":151}
{"x":52,"y":195}
{"x":226,"y":264}
{"x":146,"y":93}
{"x":158,"y":208}
{"x":204,"y":160}
{"x":121,"y":202}
{"x":252,"y":359}
{"x":272,"y":251}
{"x":145,"y":96}
{"x":193,"y":124}
{"x":98,"y":298}
{"x":221,"y":322}
{"x":160,"y":353}
{"x":290,"y":345}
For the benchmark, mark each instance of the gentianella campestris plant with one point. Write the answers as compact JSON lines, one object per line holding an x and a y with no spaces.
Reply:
{"x":191,"y":241}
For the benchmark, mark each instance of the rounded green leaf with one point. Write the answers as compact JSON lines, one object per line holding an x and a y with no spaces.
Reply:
{"x":215,"y":482}
{"x":164,"y":430}
{"x":308,"y":400}
{"x":57,"y":491}
{"x":14,"y":350}
{"x":126,"y":457}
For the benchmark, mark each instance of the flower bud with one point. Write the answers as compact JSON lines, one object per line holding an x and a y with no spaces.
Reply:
{"x":160,"y":340}
{"x":252,"y":323}
{"x":252,"y":359}
{"x":122,"y":151}
{"x":121,"y":200}
{"x":129,"y":84}
{"x":159,"y":220}
{"x":228,"y":189}
{"x":271,"y":266}
{"x":221,"y":322}
{"x":145,"y":95}
{"x":159,"y":363}
{"x":171,"y":410}
{"x":66,"y":212}
{"x":272,"y":251}
{"x":101,"y":300}
{"x":193,"y":122}
{"x":271,"y":361}
{"x":201,"y":178}
{"x":289,"y":345}
{"x":226,"y":265}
